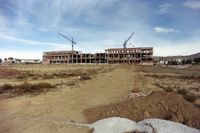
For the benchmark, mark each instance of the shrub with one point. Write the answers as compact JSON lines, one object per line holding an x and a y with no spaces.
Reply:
{"x":55,"y":74}
{"x":169,"y":89}
{"x":85,"y":77}
{"x":62,"y":75}
{"x":25,"y":87}
{"x":44,"y":85}
{"x":7,"y":87}
{"x":30,"y":74}
{"x":154,"y":76}
{"x":48,"y":77}
{"x":21,"y":76}
{"x":28,"y":87}
{"x":182,"y":91}
{"x":34,"y":78}
{"x":72,"y":74}
{"x":190,"y":97}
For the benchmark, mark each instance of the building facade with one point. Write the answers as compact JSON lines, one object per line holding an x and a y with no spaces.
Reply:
{"x":141,"y":55}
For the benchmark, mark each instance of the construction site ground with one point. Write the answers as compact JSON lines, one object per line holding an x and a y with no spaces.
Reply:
{"x":100,"y":97}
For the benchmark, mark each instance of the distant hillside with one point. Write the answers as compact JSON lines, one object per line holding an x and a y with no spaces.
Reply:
{"x":192,"y":56}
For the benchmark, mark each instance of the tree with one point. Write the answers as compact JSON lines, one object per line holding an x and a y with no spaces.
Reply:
{"x":172,"y":63}
{"x":183,"y":62}
{"x":197,"y":60}
{"x":188,"y":61}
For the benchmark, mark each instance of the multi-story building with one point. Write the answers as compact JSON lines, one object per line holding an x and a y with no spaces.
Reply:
{"x":140,"y":55}
{"x":70,"y":57}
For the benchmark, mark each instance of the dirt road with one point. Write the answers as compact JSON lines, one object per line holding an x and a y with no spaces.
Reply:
{"x":66,"y":104}
{"x":28,"y":113}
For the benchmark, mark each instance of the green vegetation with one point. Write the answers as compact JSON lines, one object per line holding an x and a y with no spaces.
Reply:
{"x":197,"y":60}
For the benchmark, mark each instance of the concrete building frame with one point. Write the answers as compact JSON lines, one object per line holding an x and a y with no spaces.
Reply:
{"x":140,"y":55}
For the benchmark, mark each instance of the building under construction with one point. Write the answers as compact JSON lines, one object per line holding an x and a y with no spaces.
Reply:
{"x":140,"y":55}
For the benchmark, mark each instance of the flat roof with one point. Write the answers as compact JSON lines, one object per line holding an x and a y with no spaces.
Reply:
{"x":129,"y":48}
{"x":62,"y":51}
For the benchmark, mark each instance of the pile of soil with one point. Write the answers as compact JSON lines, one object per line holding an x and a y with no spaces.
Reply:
{"x":161,"y":105}
{"x":6,"y":72}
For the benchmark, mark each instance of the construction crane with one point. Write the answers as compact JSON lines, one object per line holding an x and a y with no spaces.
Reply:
{"x":124,"y":45}
{"x":127,"y":40}
{"x":69,"y":40}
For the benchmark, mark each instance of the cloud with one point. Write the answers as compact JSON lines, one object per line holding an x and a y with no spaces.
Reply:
{"x":165,"y":8}
{"x":29,"y":41}
{"x":192,"y":4}
{"x":43,"y":29}
{"x":22,"y":54}
{"x":179,"y":48}
{"x":159,"y":29}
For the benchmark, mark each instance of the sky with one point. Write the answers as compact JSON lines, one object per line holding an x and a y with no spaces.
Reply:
{"x":30,"y":27}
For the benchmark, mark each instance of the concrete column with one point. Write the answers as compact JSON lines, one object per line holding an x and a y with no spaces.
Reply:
{"x":146,"y":54}
{"x":76,"y":58}
{"x":72,"y":58}
{"x":81,"y":58}
{"x":90,"y":58}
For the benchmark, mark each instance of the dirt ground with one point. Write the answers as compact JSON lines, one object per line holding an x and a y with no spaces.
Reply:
{"x":91,"y":100}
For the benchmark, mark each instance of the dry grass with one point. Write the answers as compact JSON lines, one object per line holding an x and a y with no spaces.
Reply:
{"x":167,"y":89}
{"x":135,"y":90}
{"x":6,"y":87}
{"x":182,"y":91}
{"x":34,"y":78}
{"x":85,"y":77}
{"x":48,"y":77}
{"x":26,"y":87}
{"x":71,"y":83}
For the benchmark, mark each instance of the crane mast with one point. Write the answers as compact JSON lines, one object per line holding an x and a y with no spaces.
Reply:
{"x":69,"y":40}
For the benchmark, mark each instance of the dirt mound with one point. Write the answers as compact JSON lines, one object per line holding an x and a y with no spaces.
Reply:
{"x":6,"y":72}
{"x":162,"y":105}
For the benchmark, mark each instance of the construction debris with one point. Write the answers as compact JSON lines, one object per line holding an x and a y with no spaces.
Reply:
{"x":134,"y":95}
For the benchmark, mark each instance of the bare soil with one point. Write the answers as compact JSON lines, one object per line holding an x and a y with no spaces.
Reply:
{"x":162,"y":105}
{"x":7,"y":72}
{"x":90,"y":100}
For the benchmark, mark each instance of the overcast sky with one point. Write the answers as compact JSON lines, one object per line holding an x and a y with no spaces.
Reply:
{"x":30,"y":27}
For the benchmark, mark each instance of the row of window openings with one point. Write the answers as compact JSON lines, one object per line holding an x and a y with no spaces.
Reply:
{"x":126,"y":56}
{"x":126,"y":51}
